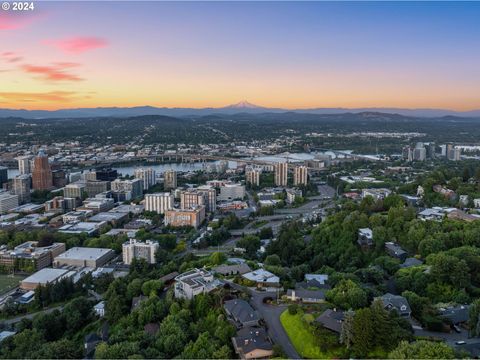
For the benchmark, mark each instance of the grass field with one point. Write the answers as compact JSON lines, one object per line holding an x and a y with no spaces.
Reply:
{"x":302,"y":337}
{"x":8,"y":282}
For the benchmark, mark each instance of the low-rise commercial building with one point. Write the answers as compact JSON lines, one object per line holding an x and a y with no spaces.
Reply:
{"x":7,"y":202}
{"x":191,"y":217}
{"x":30,"y":257}
{"x":229,"y":192}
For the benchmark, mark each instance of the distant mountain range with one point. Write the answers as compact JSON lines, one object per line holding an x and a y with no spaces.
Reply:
{"x":241,"y":107}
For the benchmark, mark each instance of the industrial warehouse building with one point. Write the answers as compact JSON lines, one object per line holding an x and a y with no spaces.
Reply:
{"x":45,"y":276}
{"x":84,"y":257}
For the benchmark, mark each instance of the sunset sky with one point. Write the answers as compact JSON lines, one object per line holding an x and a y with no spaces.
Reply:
{"x":275,"y":54}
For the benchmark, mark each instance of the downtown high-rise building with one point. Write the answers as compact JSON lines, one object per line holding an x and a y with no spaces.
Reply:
{"x":24,"y":164}
{"x":134,"y":188}
{"x":147,"y":175}
{"x":281,"y":174}
{"x":252,"y":176}
{"x":300,"y":175}
{"x":419,"y":153}
{"x":3,"y":175}
{"x":170,"y":179}
{"x":191,"y":198}
{"x":21,"y":187}
{"x":159,"y":202}
{"x":210,"y":197}
{"x":42,"y":173}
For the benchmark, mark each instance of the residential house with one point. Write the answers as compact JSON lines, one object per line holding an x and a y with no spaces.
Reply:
{"x":194,"y":282}
{"x":235,"y":269}
{"x":394,"y":250}
{"x":100,"y":309}
{"x":332,"y":320}
{"x":316,"y":280}
{"x":476,"y":203}
{"x":434,"y":213}
{"x":455,"y":314}
{"x":305,"y":295}
{"x":263,"y":278}
{"x":252,"y":343}
{"x":169,"y":278}
{"x":397,"y":303}
{"x":365,"y":237}
{"x":241,"y":313}
{"x":376,"y":194}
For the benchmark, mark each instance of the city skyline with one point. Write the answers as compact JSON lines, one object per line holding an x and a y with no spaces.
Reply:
{"x":281,"y":55}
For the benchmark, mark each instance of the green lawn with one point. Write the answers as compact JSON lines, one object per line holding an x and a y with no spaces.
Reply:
{"x":8,"y":282}
{"x":302,"y":337}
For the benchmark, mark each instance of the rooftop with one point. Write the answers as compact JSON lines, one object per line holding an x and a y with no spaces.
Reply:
{"x":82,"y":253}
{"x":47,"y":275}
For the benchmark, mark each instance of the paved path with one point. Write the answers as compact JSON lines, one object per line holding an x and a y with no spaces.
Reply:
{"x":29,"y":316}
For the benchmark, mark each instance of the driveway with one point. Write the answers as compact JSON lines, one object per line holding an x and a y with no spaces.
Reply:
{"x":271,"y":315}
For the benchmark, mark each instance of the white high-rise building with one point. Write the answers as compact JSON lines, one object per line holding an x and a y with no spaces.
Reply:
{"x":134,"y":249}
{"x":281,"y":174}
{"x":147,"y":175}
{"x":300,"y":175}
{"x":24,"y":164}
{"x":159,"y":202}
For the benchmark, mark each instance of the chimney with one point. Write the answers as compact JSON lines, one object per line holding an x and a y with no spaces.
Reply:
{"x":246,"y":342}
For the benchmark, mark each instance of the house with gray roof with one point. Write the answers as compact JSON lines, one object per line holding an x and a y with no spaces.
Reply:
{"x":395,"y":251}
{"x":305,"y":295}
{"x":365,"y":237}
{"x":455,"y":314}
{"x":241,"y":313}
{"x":252,"y":343}
{"x":411,"y":262}
{"x":235,"y":269}
{"x":316,"y":280}
{"x":397,"y":303}
{"x":332,"y":320}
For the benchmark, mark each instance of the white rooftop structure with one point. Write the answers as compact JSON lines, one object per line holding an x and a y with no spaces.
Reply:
{"x":44,"y":276}
{"x":262,"y":276}
{"x":84,"y":257}
{"x":80,"y":253}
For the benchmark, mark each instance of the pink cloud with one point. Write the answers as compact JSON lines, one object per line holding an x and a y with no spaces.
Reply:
{"x":54,"y":72}
{"x":8,"y":21}
{"x":11,"y":57}
{"x":77,"y":45}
